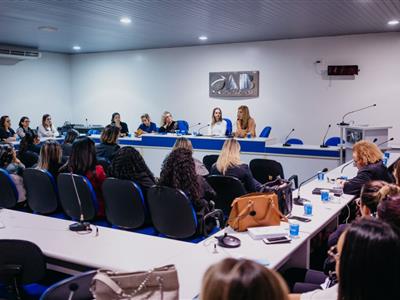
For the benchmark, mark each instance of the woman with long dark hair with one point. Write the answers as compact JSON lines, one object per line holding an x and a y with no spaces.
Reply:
{"x":83,"y":162}
{"x":116,"y":121}
{"x":178,"y":171}
{"x":71,"y":136}
{"x":23,"y":127}
{"x":129,"y":164}
{"x":50,"y":157}
{"x":47,"y":129}
{"x":7,"y":134}
{"x":29,"y":149}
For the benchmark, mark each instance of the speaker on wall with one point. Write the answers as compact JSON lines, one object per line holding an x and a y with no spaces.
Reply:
{"x":343,"y":70}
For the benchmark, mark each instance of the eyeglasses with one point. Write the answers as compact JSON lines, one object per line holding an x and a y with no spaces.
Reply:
{"x":333,"y":252}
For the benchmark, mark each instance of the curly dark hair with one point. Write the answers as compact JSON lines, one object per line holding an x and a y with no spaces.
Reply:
{"x":6,"y":155}
{"x":128,"y":164}
{"x":178,"y":171}
{"x":28,"y":140}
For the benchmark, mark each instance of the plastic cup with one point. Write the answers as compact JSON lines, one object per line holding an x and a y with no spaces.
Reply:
{"x":308,"y":208}
{"x":387,"y":154}
{"x":324,"y":195}
{"x":294,"y":229}
{"x":321,"y":176}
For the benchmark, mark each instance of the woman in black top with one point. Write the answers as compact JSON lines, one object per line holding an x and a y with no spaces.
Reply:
{"x":123,"y":127}
{"x":24,"y":127}
{"x":6,"y":132}
{"x":108,"y":142}
{"x":229,"y":164}
{"x":29,"y":149}
{"x":72,"y":134}
{"x":368,"y":159}
{"x":167,"y":123}
{"x":129,"y":164}
{"x":178,"y":171}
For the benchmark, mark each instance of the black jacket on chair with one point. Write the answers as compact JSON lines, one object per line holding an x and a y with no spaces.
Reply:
{"x":241,"y":172}
{"x":376,"y":171}
{"x":106,"y":151}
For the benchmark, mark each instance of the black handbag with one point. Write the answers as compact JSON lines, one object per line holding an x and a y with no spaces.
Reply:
{"x":283,"y":189}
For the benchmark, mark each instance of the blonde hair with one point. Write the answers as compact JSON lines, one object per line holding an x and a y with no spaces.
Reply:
{"x":213,"y":121}
{"x":234,"y":279}
{"x":367,"y":152}
{"x":50,"y":155}
{"x":244,"y":122}
{"x":183,"y":143}
{"x":229,"y":156}
{"x":164,"y":115}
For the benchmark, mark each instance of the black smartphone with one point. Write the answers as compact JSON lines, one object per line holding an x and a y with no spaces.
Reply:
{"x":301,"y":219}
{"x":277,"y":240}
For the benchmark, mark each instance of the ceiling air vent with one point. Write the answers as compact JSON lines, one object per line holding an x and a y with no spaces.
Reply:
{"x":10,"y":54}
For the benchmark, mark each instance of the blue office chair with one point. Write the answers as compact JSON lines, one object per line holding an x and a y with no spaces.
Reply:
{"x":22,"y":266}
{"x":9,"y":193}
{"x":93,"y":131}
{"x":41,"y":191}
{"x":183,"y":126}
{"x":124,"y":203}
{"x":227,"y":188}
{"x":76,"y":287}
{"x":265,"y":132}
{"x":295,"y":141}
{"x":69,"y":200}
{"x":228,"y":127}
{"x":333,"y":141}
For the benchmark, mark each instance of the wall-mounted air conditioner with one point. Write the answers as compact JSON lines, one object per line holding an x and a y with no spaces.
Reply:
{"x":10,"y":54}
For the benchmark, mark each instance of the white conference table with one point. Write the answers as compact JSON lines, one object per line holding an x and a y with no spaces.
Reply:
{"x":127,"y":251}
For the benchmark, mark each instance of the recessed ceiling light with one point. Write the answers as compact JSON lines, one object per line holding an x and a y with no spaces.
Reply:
{"x":76,"y":48}
{"x":125,"y":20}
{"x":393,"y":22}
{"x":48,"y":28}
{"x":203,"y":38}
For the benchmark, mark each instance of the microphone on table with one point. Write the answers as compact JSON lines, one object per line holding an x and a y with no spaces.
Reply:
{"x":300,"y":201}
{"x":73,"y":287}
{"x":353,"y":111}
{"x":81,"y":225}
{"x":389,"y":140}
{"x":323,"y":140}
{"x":285,"y":144}
{"x":199,"y":134}
{"x":194,"y":125}
{"x":87,"y":124}
{"x":351,"y":161}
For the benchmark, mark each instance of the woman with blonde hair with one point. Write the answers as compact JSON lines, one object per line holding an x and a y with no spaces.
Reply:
{"x":167,"y":123}
{"x":50,"y":157}
{"x":245,"y":124}
{"x":242,"y":279}
{"x":367,"y":158}
{"x":218,"y":124}
{"x":187,"y":144}
{"x":229,"y":164}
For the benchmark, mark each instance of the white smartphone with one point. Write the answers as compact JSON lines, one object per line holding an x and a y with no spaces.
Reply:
{"x":277,"y":240}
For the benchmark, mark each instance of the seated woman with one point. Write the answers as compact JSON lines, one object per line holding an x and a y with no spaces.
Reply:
{"x":7,"y":134}
{"x":71,"y":136}
{"x":245,"y":124}
{"x":147,"y":125}
{"x":50,"y":157}
{"x":242,"y":279}
{"x":187,"y":144}
{"x":167,"y":123}
{"x":46,"y":129}
{"x":83,"y":162}
{"x":229,"y":164}
{"x":178,"y":171}
{"x":116,"y":121}
{"x":29,"y":149}
{"x":389,"y":211}
{"x":108,"y":142}
{"x":10,"y":162}
{"x":368,"y":159}
{"x":218,"y":124}
{"x":129,"y":164}
{"x":24,"y":127}
{"x":366,"y":260}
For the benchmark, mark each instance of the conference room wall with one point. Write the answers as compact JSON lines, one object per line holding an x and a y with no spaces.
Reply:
{"x":293,"y":93}
{"x":35,"y":87}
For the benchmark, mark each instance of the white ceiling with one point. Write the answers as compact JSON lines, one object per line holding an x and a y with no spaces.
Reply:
{"x":95,"y":26}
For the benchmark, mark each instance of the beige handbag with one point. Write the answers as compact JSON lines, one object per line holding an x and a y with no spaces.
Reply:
{"x":159,"y":283}
{"x":255,"y":209}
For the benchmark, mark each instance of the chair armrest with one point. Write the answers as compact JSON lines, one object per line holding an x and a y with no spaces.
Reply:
{"x":218,"y":216}
{"x":295,"y":179}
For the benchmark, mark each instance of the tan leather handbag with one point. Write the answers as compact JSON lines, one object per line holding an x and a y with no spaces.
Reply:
{"x":255,"y":209}
{"x":158,"y":283}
